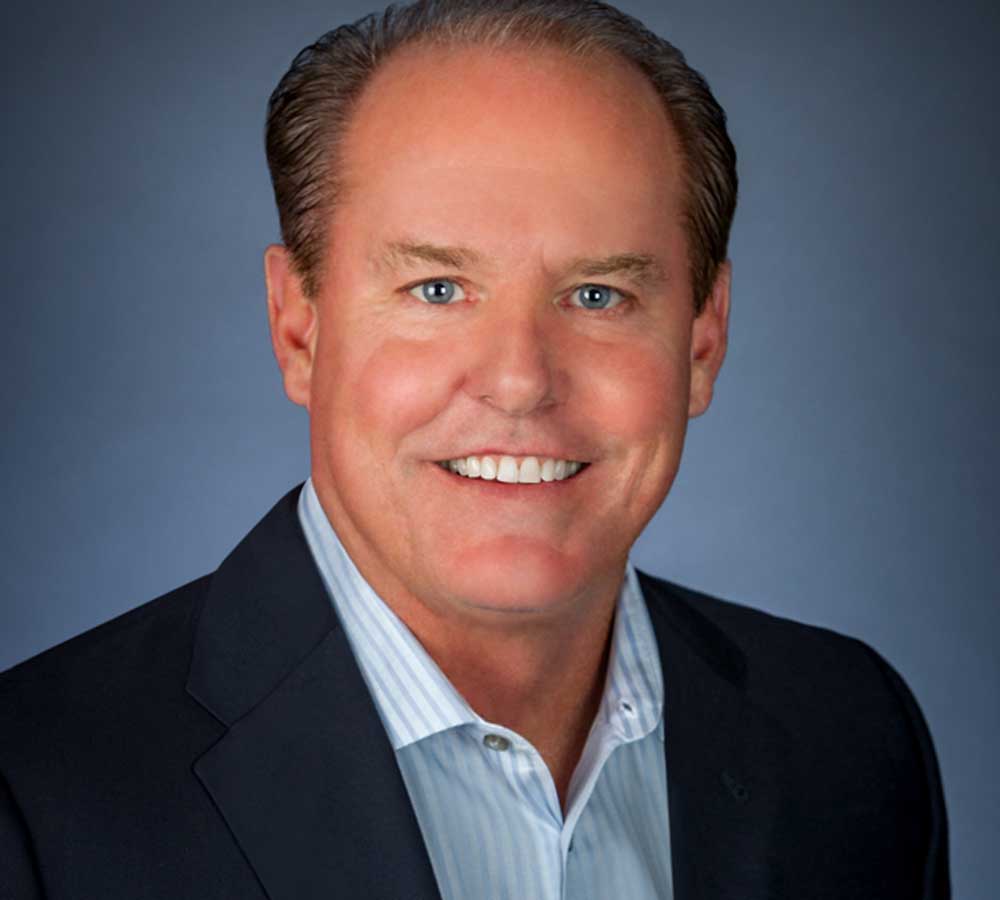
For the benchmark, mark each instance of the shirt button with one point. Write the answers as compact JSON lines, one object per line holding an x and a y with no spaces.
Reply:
{"x":496,"y":742}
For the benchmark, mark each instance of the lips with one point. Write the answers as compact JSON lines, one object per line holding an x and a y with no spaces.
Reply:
{"x":513,"y":470}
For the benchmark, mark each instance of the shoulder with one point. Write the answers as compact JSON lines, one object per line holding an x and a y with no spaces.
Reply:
{"x":835,"y":694}
{"x":120,"y":667}
{"x":160,"y":620}
{"x":765,"y":650}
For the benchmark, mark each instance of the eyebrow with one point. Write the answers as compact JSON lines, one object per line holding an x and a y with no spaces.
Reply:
{"x":395,"y":253}
{"x":640,"y":268}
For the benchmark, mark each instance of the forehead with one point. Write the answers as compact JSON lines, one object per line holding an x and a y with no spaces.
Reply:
{"x":451,"y":101}
{"x":522,"y":136}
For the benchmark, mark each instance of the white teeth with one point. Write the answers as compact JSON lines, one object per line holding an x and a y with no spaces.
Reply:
{"x":507,"y":470}
{"x":531,"y":469}
{"x":529,"y":473}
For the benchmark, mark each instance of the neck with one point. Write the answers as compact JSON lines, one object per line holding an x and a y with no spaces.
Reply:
{"x":544,"y":683}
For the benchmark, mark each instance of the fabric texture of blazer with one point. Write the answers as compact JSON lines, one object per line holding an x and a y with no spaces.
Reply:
{"x":220,"y":742}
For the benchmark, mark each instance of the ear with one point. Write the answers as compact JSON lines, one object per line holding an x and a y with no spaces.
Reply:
{"x":292,"y":316}
{"x":709,"y":337}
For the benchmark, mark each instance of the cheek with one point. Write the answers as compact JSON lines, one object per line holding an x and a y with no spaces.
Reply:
{"x":637,"y":393}
{"x":398,"y":387}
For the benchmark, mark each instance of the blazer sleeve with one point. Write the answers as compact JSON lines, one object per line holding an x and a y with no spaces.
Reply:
{"x":18,"y":870}
{"x":936,"y":876}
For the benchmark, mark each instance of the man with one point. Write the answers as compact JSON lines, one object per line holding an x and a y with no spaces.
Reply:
{"x":432,"y":672}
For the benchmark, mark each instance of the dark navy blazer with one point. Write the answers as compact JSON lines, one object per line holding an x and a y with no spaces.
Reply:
{"x":219,"y":742}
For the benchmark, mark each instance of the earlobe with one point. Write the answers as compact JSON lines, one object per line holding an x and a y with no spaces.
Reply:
{"x":292,"y":317}
{"x":709,"y":338}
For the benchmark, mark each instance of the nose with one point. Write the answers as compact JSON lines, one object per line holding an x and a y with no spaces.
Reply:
{"x":513,"y":369}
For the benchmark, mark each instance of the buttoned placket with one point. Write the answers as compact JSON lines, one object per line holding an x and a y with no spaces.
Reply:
{"x":610,"y":732}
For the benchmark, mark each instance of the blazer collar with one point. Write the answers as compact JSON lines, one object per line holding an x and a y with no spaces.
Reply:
{"x":304,"y":777}
{"x":725,"y":757}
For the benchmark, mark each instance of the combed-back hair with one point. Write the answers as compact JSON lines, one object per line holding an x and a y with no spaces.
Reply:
{"x":310,"y":110}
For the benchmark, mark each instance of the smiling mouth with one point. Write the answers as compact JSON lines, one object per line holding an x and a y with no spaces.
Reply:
{"x":514,"y":470}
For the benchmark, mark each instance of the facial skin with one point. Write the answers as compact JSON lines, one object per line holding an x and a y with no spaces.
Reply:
{"x":532,"y":162}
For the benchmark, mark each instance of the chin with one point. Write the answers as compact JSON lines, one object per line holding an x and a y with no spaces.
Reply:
{"x":515,"y":575}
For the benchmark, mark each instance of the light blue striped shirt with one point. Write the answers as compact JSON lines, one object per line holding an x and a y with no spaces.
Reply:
{"x":484,"y":798}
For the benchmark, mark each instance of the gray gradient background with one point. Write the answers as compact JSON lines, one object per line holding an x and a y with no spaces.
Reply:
{"x":845,"y":475}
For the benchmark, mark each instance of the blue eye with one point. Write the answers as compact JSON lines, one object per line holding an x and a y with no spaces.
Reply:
{"x":440,"y":291}
{"x":597,"y":296}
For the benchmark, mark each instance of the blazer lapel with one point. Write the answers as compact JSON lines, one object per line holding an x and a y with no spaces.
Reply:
{"x":305,"y":776}
{"x":724,"y":759}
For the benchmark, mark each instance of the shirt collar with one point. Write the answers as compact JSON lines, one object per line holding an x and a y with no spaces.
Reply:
{"x":414,"y":697}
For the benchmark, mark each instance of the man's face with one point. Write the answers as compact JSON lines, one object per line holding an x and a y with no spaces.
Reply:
{"x":539,"y":200}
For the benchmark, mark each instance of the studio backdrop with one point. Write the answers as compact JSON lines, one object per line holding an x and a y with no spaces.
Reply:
{"x":844,"y":476}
